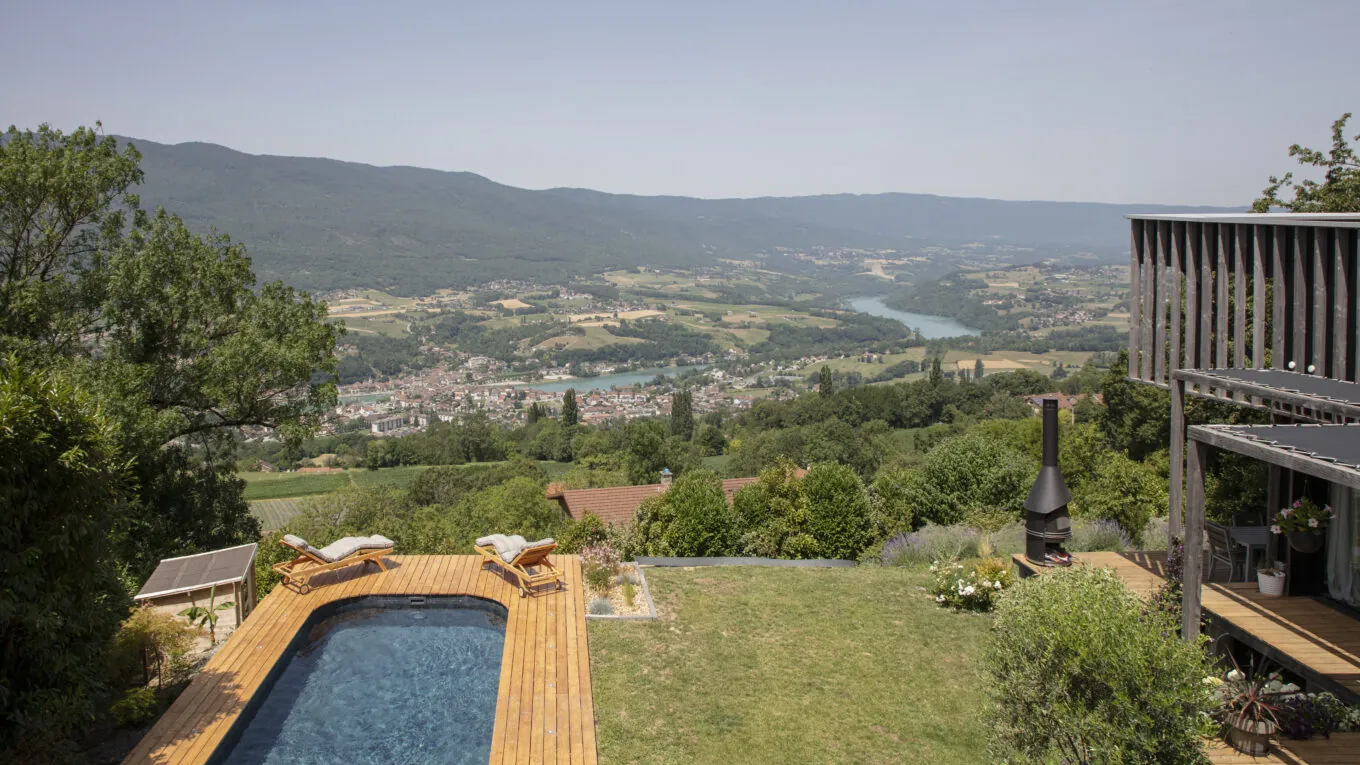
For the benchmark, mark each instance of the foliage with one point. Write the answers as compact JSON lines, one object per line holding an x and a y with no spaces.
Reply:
{"x":1339,"y":190}
{"x":825,"y":386}
{"x":571,"y":411}
{"x":136,"y":707}
{"x":599,"y":564}
{"x":1099,"y":536}
{"x":629,"y":592}
{"x":1166,"y":599}
{"x":1136,"y":418}
{"x":148,"y":642}
{"x":682,"y":414}
{"x":930,"y":543}
{"x":1302,"y":515}
{"x":971,"y":588}
{"x":702,"y":522}
{"x":581,"y":533}
{"x":200,"y":616}
{"x":1305,"y":715}
{"x":62,"y":487}
{"x":889,"y":504}
{"x":600,"y":607}
{"x":1121,"y":490}
{"x":649,"y":448}
{"x":966,"y":475}
{"x":838,"y":515}
{"x":1077,"y":671}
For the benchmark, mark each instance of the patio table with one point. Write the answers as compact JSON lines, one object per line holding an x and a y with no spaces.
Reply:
{"x":1252,"y":538}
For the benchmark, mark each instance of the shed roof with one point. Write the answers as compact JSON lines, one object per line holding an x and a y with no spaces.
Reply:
{"x":197,"y":572}
{"x":618,"y":504}
{"x":1330,"y":452}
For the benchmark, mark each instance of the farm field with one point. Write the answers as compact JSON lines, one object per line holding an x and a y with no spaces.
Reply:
{"x":274,"y":513}
{"x":279,"y":486}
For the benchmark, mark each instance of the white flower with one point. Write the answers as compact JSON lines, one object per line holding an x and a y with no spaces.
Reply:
{"x":998,"y":584}
{"x":1211,"y":680}
{"x":1275,"y":529}
{"x":939,"y":598}
{"x":985,"y":583}
{"x":1235,"y":675}
{"x":1312,"y":523}
{"x":968,"y":590}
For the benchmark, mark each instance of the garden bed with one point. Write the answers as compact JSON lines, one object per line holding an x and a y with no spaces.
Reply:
{"x":641,"y":605}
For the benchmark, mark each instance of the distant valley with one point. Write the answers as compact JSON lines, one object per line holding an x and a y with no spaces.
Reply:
{"x":323,"y":224}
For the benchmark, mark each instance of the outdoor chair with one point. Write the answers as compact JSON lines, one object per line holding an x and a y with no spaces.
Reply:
{"x":1222,"y":549}
{"x":520,"y":558}
{"x":347,"y":551}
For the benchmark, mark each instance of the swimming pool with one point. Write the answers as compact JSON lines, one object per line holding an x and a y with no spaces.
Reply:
{"x":380,"y":680}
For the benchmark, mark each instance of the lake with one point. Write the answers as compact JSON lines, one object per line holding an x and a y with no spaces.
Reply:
{"x":930,"y":326}
{"x":605,"y":382}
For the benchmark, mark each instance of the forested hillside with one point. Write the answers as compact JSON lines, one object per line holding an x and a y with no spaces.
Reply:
{"x":324,"y":224}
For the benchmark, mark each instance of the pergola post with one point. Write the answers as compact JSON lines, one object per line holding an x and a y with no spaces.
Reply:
{"x":1194,"y":540}
{"x":1174,"y":522}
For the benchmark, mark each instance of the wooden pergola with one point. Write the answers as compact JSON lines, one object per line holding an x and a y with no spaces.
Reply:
{"x":1328,"y":452}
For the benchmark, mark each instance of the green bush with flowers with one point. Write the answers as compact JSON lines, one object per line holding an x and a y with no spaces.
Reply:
{"x":974,"y":588}
{"x":1303,"y":515}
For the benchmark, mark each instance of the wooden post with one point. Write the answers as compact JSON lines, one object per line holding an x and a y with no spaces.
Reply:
{"x":1177,"y":267}
{"x":1206,"y":301}
{"x":1321,"y":278}
{"x":1221,"y":360}
{"x":1194,"y":540}
{"x":1149,"y":298}
{"x":1159,"y":248}
{"x":1273,"y":504}
{"x":1174,"y":523}
{"x":1192,"y":255}
{"x":1240,"y":297}
{"x":1258,"y":299}
{"x":1299,"y":353}
{"x":1135,"y":297}
{"x":1279,"y":296}
{"x":1341,"y":301}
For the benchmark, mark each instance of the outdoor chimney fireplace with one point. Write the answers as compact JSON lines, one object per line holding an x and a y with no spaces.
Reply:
{"x":1047,"y":523}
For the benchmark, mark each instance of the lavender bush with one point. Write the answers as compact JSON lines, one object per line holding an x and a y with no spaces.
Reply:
{"x":929,"y":544}
{"x":1098,"y":536}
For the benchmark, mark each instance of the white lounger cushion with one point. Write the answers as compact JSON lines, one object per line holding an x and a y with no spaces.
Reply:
{"x":341,"y":548}
{"x":512,"y":546}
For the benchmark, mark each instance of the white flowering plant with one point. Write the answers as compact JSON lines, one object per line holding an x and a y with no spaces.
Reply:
{"x":1302,"y":515}
{"x":970,"y":588}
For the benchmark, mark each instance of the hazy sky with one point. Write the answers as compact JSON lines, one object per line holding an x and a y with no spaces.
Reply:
{"x":1176,"y":102}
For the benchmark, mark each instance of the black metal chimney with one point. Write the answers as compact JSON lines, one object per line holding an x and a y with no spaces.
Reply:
{"x":1047,"y":523}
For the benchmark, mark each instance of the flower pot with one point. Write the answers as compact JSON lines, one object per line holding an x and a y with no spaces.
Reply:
{"x":1306,"y":541}
{"x":1271,"y":585}
{"x":1250,"y":737}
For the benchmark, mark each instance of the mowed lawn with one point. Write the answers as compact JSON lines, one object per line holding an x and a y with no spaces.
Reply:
{"x":783,"y":666}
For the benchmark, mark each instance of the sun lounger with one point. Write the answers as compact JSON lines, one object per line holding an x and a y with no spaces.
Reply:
{"x":347,"y":551}
{"x":520,"y":558}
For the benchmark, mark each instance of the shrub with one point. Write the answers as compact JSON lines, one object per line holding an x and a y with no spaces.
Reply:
{"x":702,"y":523}
{"x":889,"y":502}
{"x":1073,"y":653}
{"x":152,"y":644}
{"x":968,"y":473}
{"x":929,"y":544}
{"x":1098,"y":536}
{"x":629,"y":592}
{"x":837,"y":510}
{"x":137,"y":706}
{"x":600,"y":607}
{"x":582,"y":533}
{"x":974,"y":588}
{"x":599,"y":563}
{"x":1122,"y":490}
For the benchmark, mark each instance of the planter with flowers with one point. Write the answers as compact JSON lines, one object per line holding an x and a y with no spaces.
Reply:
{"x":1304,"y":524}
{"x":1251,"y":709}
{"x":1270,"y":581}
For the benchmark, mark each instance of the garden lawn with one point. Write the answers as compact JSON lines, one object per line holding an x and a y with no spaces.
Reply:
{"x":783,"y":666}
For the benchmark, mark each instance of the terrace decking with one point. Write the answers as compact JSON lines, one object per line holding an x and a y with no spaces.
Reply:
{"x":544,"y":709}
{"x":1319,"y":642}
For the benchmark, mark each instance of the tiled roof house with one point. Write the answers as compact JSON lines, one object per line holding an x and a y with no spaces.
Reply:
{"x":618,"y":504}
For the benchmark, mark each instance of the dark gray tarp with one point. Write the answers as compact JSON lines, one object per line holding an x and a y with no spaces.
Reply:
{"x":1293,"y":382}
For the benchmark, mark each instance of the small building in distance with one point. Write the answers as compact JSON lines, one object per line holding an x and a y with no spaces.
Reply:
{"x":224,"y":576}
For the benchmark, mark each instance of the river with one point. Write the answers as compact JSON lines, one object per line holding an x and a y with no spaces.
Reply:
{"x":930,"y":326}
{"x":605,"y":382}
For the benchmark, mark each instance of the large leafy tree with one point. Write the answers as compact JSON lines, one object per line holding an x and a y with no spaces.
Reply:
{"x":1339,"y":190}
{"x":165,"y":327}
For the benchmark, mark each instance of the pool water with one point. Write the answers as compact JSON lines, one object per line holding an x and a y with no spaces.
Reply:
{"x":383,"y":685}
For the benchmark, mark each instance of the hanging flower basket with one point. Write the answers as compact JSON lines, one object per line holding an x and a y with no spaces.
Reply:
{"x":1304,"y":523}
{"x":1306,"y":541}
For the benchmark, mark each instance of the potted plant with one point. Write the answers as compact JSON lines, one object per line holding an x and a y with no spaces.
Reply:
{"x":1270,"y":581}
{"x":1304,"y":524}
{"x":1250,"y":712}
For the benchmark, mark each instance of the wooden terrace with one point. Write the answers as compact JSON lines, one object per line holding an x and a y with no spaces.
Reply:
{"x":544,"y":709}
{"x":1301,"y":633}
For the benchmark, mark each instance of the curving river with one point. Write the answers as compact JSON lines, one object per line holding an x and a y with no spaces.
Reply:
{"x":930,"y":326}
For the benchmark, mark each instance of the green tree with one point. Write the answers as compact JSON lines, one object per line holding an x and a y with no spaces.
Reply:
{"x":837,"y":509}
{"x":1137,"y":417}
{"x":62,"y":486}
{"x":532,"y":414}
{"x":825,"y":385}
{"x":1122,"y":490}
{"x":1339,"y":190}
{"x":571,"y":415}
{"x":978,"y":369}
{"x":936,"y":371}
{"x":970,"y":476}
{"x":682,"y":414}
{"x":702,"y":522}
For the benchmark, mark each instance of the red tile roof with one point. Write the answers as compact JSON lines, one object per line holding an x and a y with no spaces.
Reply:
{"x":619,"y":504}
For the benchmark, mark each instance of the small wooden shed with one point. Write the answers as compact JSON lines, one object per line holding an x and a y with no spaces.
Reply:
{"x":178,"y":583}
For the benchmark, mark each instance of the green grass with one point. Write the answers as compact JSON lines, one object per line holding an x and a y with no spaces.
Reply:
{"x":400,"y":477}
{"x":779,"y":666}
{"x":274,"y":513}
{"x":284,"y":485}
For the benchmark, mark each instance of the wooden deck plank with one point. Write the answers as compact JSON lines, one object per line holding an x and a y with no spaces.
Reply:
{"x":532,"y":706}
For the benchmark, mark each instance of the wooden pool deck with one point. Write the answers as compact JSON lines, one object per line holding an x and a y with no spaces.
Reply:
{"x":1303,"y":634}
{"x":544,"y":710}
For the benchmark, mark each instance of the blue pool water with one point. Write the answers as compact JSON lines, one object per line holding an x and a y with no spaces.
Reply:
{"x":383,"y":685}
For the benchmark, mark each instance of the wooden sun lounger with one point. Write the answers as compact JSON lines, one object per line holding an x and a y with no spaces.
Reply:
{"x":300,"y":570}
{"x":525,"y":560}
